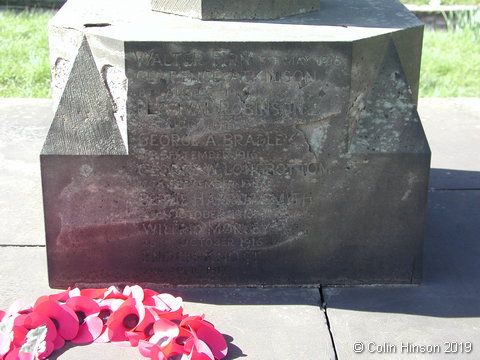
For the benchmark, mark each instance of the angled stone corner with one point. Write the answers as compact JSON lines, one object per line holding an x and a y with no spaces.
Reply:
{"x":84,"y":122}
{"x":367,"y":55}
{"x":408,"y":43}
{"x":236,"y":10}
{"x":389,"y":123}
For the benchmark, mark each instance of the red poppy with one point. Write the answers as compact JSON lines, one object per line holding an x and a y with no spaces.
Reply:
{"x":5,"y":343}
{"x":90,"y":325}
{"x":215,"y":341}
{"x":113,"y":293}
{"x":33,"y":321}
{"x":107,"y":308}
{"x":94,"y":293}
{"x":7,"y":326}
{"x":64,"y":318}
{"x":168,"y":303}
{"x":198,"y":349}
{"x":207,"y":333}
{"x":161,"y":342}
{"x":125,"y":318}
{"x":19,"y":333}
{"x":135,"y":292}
{"x":168,"y":306}
{"x":144,"y":329}
{"x":64,"y":295}
{"x":6,"y":329}
{"x":177,"y":346}
{"x":13,"y":354}
{"x":164,"y":332}
{"x":148,"y":295}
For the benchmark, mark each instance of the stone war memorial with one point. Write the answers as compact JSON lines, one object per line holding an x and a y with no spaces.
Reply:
{"x":235,"y":143}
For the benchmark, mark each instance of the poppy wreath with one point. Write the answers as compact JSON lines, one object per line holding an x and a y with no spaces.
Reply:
{"x":154,"y":322}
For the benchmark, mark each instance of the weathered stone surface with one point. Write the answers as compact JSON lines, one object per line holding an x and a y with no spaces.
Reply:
{"x":288,"y":160}
{"x":231,"y":10}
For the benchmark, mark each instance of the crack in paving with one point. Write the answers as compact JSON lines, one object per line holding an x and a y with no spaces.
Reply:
{"x":21,"y":245}
{"x":454,"y":189}
{"x":323,"y":307}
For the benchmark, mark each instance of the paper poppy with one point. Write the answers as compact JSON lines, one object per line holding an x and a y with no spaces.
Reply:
{"x":32,"y":322}
{"x":144,"y":329}
{"x":94,"y":293}
{"x":125,"y":318}
{"x":113,"y":293}
{"x":64,"y":318}
{"x":5,"y":343}
{"x":214,"y":339}
{"x":164,"y":332}
{"x":168,"y":306}
{"x":35,"y":320}
{"x":90,"y":325}
{"x":198,"y":349}
{"x":107,"y":308}
{"x":135,"y":292}
{"x":64,"y":295}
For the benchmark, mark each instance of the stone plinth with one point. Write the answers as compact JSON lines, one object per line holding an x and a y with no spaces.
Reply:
{"x":236,"y":10}
{"x":186,"y":152}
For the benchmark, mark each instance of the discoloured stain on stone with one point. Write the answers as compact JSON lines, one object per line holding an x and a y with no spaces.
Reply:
{"x":390,"y":123}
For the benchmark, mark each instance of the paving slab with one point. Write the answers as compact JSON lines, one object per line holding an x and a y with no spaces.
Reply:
{"x":444,"y":310}
{"x":452,"y":126}
{"x":23,"y":127}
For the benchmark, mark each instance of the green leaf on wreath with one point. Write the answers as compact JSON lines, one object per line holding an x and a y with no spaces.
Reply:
{"x":35,"y":341}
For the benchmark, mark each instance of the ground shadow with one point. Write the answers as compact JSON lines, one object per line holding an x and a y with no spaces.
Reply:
{"x":446,"y":179}
{"x":451,"y":282}
{"x":234,"y":352}
{"x":247,"y":296}
{"x":59,"y":352}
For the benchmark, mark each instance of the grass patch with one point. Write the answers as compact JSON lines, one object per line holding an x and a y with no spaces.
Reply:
{"x":443,"y":2}
{"x":24,"y":65}
{"x":451,"y":61}
{"x":49,"y":4}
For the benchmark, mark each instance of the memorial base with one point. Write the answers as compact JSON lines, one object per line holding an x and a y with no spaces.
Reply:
{"x":187,"y":152}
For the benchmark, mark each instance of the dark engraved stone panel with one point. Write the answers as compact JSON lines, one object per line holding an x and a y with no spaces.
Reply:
{"x":340,"y":233}
{"x":219,"y":133}
{"x":197,"y":88}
